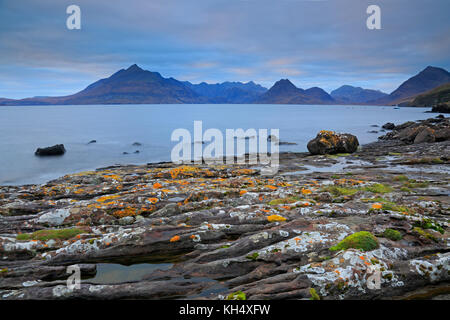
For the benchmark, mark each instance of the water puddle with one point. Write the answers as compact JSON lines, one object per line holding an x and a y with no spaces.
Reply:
{"x":340,"y":166}
{"x":111,"y":273}
{"x":428,"y":169}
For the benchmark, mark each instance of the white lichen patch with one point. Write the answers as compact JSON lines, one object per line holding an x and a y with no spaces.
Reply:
{"x":96,"y":288}
{"x":433,"y":270}
{"x":354,"y":269}
{"x":54,"y":217}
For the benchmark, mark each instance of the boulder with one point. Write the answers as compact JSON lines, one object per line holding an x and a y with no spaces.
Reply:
{"x":441,"y":108}
{"x":329,"y":142}
{"x":425,"y":135}
{"x":404,"y":125}
{"x":409,"y":134}
{"x":55,"y":150}
{"x":442,"y":134}
{"x":388,"y":126}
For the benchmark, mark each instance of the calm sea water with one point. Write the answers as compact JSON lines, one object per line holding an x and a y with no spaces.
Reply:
{"x":116,"y":128}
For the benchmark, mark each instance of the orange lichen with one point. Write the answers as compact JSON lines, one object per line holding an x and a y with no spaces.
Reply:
{"x":153,"y":200}
{"x":377,"y":206}
{"x":242,"y":192}
{"x":306,"y":191}
{"x":275,"y":217}
{"x":104,"y":198}
{"x":270,"y":187}
{"x":175,"y":238}
{"x":126,"y":212}
{"x":157,"y":185}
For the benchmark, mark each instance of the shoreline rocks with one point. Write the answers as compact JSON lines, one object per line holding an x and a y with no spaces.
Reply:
{"x":329,"y":142}
{"x":423,"y":131}
{"x":55,"y":150}
{"x":222,"y":229}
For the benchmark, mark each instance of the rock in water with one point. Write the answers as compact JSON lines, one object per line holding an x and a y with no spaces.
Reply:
{"x":388,"y":126}
{"x":329,"y":142}
{"x":442,"y":108}
{"x":55,"y":150}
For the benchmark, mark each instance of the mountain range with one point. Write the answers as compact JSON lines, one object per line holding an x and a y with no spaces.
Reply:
{"x":350,"y":94}
{"x":285,"y":92}
{"x":137,"y":86}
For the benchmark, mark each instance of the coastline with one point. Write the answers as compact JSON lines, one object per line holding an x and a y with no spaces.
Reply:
{"x":217,"y":230}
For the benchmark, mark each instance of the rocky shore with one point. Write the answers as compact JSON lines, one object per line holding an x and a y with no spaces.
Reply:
{"x":323,"y":227}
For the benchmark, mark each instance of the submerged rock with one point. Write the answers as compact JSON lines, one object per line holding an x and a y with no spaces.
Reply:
{"x":329,"y":142}
{"x":55,"y":150}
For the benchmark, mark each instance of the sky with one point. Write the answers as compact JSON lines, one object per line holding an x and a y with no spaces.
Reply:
{"x":323,"y":43}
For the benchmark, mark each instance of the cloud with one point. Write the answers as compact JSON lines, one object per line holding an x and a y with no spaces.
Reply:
{"x":323,"y":43}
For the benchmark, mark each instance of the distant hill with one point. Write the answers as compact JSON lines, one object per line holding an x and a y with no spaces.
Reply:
{"x":285,"y":92}
{"x":431,"y":98}
{"x":356,"y":95}
{"x":228,"y":92}
{"x":427,"y":79}
{"x":126,"y":86}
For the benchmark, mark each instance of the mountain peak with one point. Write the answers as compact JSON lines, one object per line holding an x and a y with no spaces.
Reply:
{"x":134,"y":67}
{"x":427,"y":79}
{"x":286,"y":83}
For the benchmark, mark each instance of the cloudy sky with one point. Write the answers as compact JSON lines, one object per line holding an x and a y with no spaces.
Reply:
{"x":312,"y":42}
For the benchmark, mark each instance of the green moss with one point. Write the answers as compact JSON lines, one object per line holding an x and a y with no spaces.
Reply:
{"x":379,"y":188}
{"x":388,"y":276}
{"x":225,"y":246}
{"x":401,"y":178}
{"x":394,"y":154}
{"x":393,"y":207}
{"x":362,"y":240}
{"x":426,"y":161}
{"x":275,"y":250}
{"x":341,"y":191}
{"x":324,"y":258}
{"x":392,"y":234}
{"x":4,"y":270}
{"x":437,"y":160}
{"x":411,"y":184}
{"x":253,"y":256}
{"x":238,"y":295}
{"x":424,"y":234}
{"x":44,"y":235}
{"x":405,"y":189}
{"x":283,"y":201}
{"x":387,"y":205}
{"x":314,"y":295}
{"x":427,"y":223}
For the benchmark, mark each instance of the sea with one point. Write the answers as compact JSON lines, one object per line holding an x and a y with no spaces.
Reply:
{"x":122,"y":130}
